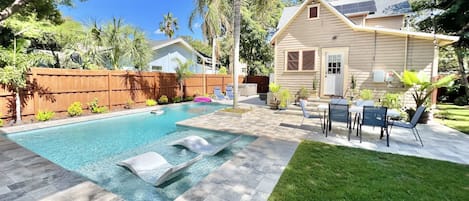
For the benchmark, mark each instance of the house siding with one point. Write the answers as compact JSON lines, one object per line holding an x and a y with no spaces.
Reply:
{"x":391,"y":22}
{"x":165,"y":57}
{"x":388,"y":53}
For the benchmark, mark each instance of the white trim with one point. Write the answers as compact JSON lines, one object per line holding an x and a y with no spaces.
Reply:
{"x":317,"y":5}
{"x":443,"y":39}
{"x":345,"y":51}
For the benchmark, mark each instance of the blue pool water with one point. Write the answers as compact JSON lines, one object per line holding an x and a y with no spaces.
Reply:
{"x":93,"y":148}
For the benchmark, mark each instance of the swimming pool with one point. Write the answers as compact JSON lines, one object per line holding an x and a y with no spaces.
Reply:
{"x":93,"y":148}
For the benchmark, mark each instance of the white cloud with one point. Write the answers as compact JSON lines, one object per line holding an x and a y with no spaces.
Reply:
{"x":158,"y":32}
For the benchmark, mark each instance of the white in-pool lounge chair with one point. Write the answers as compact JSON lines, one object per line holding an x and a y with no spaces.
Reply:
{"x":201,"y":146}
{"x":154,"y":169}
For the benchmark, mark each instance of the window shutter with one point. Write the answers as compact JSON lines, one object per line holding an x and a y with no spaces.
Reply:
{"x":309,"y":60}
{"x":313,"y":12}
{"x":293,"y":59}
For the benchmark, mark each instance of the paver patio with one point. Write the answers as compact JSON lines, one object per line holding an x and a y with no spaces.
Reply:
{"x":250,"y":174}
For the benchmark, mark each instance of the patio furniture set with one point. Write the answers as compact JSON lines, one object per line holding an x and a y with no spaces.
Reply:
{"x":365,"y":114}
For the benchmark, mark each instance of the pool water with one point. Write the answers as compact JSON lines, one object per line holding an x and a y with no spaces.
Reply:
{"x":93,"y":148}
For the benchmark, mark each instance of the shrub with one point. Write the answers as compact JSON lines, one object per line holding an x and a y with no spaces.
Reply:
{"x":366,"y":94}
{"x":392,"y":100}
{"x":189,"y":98}
{"x":1,"y":120}
{"x":163,"y":99}
{"x":303,"y":93}
{"x":44,"y":115}
{"x":129,"y":104}
{"x":285,"y":97}
{"x":222,"y":70}
{"x":177,"y":99}
{"x":150,"y":102}
{"x":460,"y":101}
{"x":95,"y":108}
{"x":75,"y":109}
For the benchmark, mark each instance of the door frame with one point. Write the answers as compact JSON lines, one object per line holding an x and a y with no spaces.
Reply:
{"x":324,"y":51}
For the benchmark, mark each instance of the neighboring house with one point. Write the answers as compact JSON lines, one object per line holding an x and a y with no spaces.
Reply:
{"x":165,"y":53}
{"x":328,"y":42}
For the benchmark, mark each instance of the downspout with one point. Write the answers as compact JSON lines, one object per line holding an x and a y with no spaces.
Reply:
{"x":406,"y":51}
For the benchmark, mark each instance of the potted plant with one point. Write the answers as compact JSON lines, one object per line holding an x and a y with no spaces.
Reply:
{"x":314,"y":92}
{"x":366,"y":94}
{"x":302,"y":94}
{"x":285,"y":97}
{"x":422,"y":89}
{"x":273,"y":95}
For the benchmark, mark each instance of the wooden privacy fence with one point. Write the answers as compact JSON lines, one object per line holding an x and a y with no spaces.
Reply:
{"x":56,"y":89}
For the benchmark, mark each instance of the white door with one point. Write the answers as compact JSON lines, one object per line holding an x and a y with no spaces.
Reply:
{"x":334,"y":73}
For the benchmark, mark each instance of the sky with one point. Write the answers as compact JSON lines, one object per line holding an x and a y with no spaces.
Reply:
{"x":144,"y":14}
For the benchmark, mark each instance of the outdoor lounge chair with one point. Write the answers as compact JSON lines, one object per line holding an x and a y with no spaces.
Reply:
{"x":229,"y":92}
{"x":201,"y":146}
{"x":412,"y":124}
{"x":154,"y":169}
{"x":219,"y":95}
{"x":307,"y":115}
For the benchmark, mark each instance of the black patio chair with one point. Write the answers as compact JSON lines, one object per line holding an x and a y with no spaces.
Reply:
{"x":375,"y":116}
{"x":339,"y":113}
{"x":412,"y":124}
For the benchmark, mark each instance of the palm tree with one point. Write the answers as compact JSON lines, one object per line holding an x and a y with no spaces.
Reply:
{"x":169,"y":25}
{"x":182,"y":73}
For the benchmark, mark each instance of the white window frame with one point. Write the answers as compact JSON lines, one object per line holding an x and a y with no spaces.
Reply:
{"x":300,"y":59}
{"x":318,"y":12}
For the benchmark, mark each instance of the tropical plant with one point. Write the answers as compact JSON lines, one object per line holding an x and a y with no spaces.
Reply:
{"x":182,"y":73}
{"x":44,"y":9}
{"x":44,"y":115}
{"x":1,"y":120}
{"x":421,"y":85}
{"x":392,"y":100}
{"x":150,"y":102}
{"x":285,"y":97}
{"x":16,"y":62}
{"x":163,"y":99}
{"x":274,"y":90}
{"x":366,"y":94}
{"x":75,"y":109}
{"x":215,"y":15}
{"x":169,"y":25}
{"x":95,"y":107}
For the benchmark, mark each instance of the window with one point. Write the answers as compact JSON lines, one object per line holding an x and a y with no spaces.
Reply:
{"x":302,"y":60}
{"x":156,"y":68}
{"x":293,"y":61}
{"x":308,"y":60}
{"x":313,"y":12}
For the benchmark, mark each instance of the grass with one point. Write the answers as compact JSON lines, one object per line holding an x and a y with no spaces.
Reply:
{"x":454,"y":116}
{"x":320,"y":171}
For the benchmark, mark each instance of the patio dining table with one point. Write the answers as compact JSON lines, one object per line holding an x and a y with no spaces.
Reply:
{"x":358,"y":109}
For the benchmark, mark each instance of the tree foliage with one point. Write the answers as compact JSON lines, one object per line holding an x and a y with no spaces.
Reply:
{"x":42,"y":9}
{"x":169,"y":25}
{"x":182,"y":73}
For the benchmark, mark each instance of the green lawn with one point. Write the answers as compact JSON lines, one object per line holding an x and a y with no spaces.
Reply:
{"x":454,"y":116}
{"x":320,"y":171}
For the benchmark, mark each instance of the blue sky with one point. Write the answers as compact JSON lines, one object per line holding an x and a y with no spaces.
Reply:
{"x":145,"y":14}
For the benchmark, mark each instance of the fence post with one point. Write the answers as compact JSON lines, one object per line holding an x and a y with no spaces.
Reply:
{"x":109,"y":90}
{"x":154,"y":85}
{"x":35,"y":93}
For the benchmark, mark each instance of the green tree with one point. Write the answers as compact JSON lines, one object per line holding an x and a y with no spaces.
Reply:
{"x":182,"y":73}
{"x":198,"y":45}
{"x":215,"y":15}
{"x":453,"y":21}
{"x":140,"y":51}
{"x":169,"y":25}
{"x":43,"y":9}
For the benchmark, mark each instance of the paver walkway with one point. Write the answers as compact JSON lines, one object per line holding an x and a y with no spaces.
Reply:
{"x":234,"y":182}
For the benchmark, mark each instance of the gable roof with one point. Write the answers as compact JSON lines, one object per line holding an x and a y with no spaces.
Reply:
{"x":158,"y":44}
{"x":442,"y":39}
